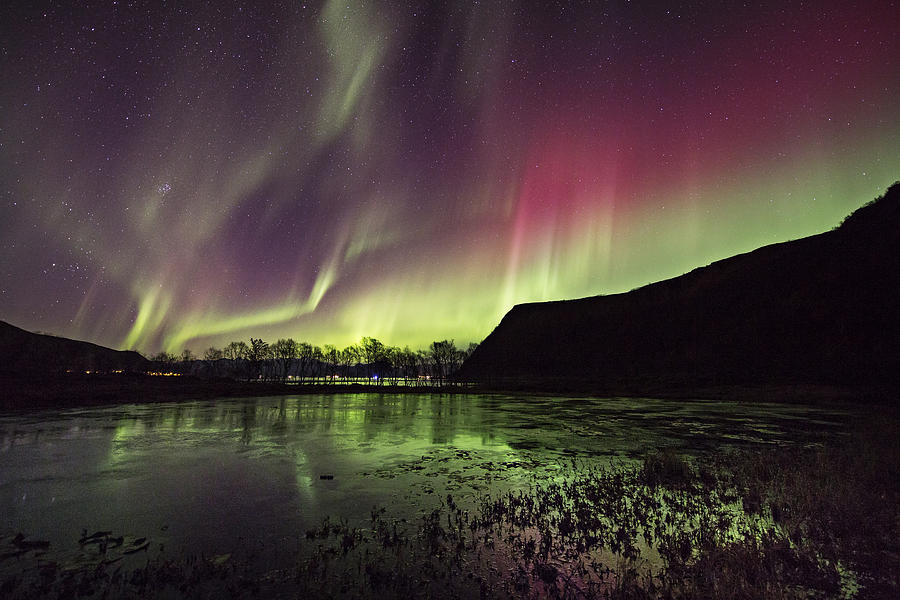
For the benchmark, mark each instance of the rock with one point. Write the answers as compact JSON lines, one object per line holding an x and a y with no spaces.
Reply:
{"x":20,"y":542}
{"x":133,"y":545}
{"x":94,"y":538}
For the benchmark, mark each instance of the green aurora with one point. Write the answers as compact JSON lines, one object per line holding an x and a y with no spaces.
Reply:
{"x":187,"y":177}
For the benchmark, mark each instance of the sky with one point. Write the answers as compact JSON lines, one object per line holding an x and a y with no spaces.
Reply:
{"x":184,"y":174}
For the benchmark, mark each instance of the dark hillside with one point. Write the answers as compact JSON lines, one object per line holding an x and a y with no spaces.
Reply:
{"x":26,"y":353}
{"x":819,"y":310}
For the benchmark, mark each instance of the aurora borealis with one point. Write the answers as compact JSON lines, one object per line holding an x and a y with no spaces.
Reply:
{"x":186,"y":174}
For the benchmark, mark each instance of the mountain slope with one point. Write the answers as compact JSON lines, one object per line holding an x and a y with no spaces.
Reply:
{"x":822,"y":309}
{"x":23,"y":352}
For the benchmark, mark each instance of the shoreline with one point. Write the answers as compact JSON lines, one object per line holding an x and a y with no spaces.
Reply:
{"x":76,"y":390}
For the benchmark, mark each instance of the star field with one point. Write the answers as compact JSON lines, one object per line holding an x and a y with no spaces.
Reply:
{"x":185,"y":174}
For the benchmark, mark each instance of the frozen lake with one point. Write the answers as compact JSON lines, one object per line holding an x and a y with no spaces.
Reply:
{"x":208,"y":476}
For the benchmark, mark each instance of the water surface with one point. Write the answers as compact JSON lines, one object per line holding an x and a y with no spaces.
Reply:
{"x":208,"y":476}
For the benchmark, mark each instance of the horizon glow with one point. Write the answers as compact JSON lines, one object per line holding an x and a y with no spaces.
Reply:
{"x":190,"y":176}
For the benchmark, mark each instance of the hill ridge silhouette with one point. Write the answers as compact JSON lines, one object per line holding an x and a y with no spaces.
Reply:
{"x":818,"y":310}
{"x":25,"y":353}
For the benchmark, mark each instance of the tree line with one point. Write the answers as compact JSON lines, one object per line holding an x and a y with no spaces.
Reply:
{"x":287,"y":359}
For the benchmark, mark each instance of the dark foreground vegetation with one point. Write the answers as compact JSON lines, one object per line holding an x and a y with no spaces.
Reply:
{"x":818,"y":522}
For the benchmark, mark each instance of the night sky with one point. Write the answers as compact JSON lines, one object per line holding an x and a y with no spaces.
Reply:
{"x":185,"y":174}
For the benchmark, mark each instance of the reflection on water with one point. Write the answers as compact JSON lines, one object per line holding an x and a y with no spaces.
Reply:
{"x":203,"y":476}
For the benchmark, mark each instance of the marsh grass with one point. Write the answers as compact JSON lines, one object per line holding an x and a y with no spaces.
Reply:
{"x":816,"y":522}
{"x":666,"y":467}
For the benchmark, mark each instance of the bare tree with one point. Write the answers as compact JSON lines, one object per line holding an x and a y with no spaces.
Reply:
{"x":235,"y":350}
{"x":237,"y":353}
{"x":457,"y":356}
{"x":425,"y":368}
{"x":349,"y":356}
{"x":268,"y":363}
{"x":211,"y":357}
{"x":434,"y":365}
{"x":393,"y":357}
{"x":444,"y":356}
{"x":315,"y":364}
{"x":331,"y":357}
{"x":258,"y":351}
{"x":373,"y":353}
{"x":409,"y":364}
{"x":305,"y":354}
{"x":284,"y":351}
{"x":164,"y":357}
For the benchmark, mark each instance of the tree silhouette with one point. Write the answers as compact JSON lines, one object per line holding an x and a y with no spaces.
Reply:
{"x":331,"y":357}
{"x":349,"y":356}
{"x":409,"y":365}
{"x":373,"y":354}
{"x":164,"y":357}
{"x":371,"y":358}
{"x":211,"y":357}
{"x":257,"y":352}
{"x":235,"y":350}
{"x":315,"y":363}
{"x":284,"y":351}
{"x":444,"y":356}
{"x":305,"y":353}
